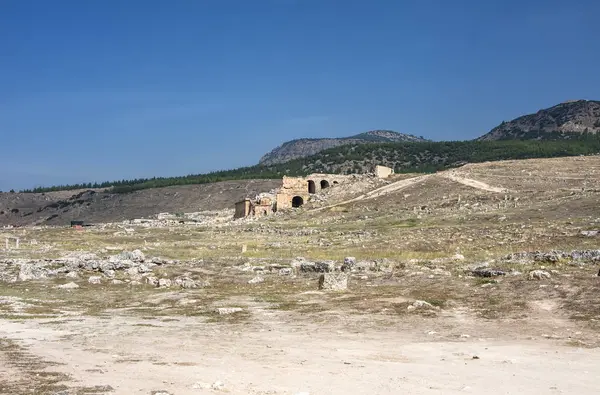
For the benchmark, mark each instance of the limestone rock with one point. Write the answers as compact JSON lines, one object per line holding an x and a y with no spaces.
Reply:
{"x":144,"y":269}
{"x":70,"y":285}
{"x":307,"y":267}
{"x":137,"y":256}
{"x":485,"y":272}
{"x":134,"y":256}
{"x":333,"y":281}
{"x":365,"y":266}
{"x":349,"y":263}
{"x":72,"y":275}
{"x":317,"y":267}
{"x":31,"y":271}
{"x":151,"y":280}
{"x":164,"y":283}
{"x":297,"y":263}
{"x":539,"y":275}
{"x":420,"y":304}
{"x":590,"y":233}
{"x":228,"y":310}
{"x":95,"y":280}
{"x":325,"y":266}
{"x":256,"y":280}
{"x":159,"y":261}
{"x":186,"y":282}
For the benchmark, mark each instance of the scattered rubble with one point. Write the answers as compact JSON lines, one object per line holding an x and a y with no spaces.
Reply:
{"x":553,"y":256}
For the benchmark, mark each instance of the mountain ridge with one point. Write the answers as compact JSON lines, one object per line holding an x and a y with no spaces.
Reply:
{"x":299,"y":148}
{"x":560,"y":121}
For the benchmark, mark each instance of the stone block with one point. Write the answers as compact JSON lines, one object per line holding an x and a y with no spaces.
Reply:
{"x":333,"y":282}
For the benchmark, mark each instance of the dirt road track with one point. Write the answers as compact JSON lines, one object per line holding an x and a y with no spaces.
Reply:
{"x":403,"y":184}
{"x":137,"y":356}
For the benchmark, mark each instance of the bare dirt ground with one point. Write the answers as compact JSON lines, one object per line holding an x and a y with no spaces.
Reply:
{"x":448,"y":294}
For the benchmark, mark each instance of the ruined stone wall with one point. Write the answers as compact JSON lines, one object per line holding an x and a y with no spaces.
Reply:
{"x":383,"y":171}
{"x":263,"y":209}
{"x":242,"y":209}
{"x":299,"y":188}
{"x":293,"y":184}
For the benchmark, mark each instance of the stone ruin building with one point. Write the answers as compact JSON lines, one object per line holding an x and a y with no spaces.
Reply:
{"x":261,"y":206}
{"x":383,"y":171}
{"x":295,"y":192}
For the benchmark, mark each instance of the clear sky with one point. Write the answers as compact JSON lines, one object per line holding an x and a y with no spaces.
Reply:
{"x":99,"y":90}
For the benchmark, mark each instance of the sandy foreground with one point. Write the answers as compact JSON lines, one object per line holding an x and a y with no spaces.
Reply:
{"x":185,"y":356}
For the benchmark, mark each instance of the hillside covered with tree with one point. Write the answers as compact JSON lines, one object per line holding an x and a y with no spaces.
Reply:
{"x":420,"y":157}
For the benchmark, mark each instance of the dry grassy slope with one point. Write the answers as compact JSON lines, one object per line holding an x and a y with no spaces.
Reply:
{"x":546,"y":204}
{"x":97,"y":206}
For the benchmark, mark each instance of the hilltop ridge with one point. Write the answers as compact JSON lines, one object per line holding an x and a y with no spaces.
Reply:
{"x":561,"y":121}
{"x":301,"y":148}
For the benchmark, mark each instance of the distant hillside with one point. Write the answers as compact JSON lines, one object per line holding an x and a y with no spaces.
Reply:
{"x":567,"y":129}
{"x":306,"y":147}
{"x":558,"y":122}
{"x":433,"y":156}
{"x":360,"y":158}
{"x":95,"y":206}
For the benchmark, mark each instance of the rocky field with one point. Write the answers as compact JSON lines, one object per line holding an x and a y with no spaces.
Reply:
{"x":479,"y":280}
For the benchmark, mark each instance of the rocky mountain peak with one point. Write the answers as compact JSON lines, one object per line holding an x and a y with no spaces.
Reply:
{"x":572,"y":116}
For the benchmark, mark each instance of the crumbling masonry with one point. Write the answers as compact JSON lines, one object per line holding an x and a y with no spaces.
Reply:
{"x":295,"y":192}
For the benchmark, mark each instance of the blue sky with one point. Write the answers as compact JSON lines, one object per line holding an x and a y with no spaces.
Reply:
{"x":100,"y":90}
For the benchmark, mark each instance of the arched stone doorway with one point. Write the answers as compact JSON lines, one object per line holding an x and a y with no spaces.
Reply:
{"x":297,"y":201}
{"x":324,"y":184}
{"x":311,"y":186}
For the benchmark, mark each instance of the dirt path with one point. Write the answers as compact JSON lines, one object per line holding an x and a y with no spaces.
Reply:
{"x":185,"y":356}
{"x":471,"y":182}
{"x":403,"y":184}
{"x":393,"y":187}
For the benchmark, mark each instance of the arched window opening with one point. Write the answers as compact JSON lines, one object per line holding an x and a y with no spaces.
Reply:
{"x":297,"y":201}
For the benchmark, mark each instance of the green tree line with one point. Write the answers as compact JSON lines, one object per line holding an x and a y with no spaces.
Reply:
{"x":418,"y":157}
